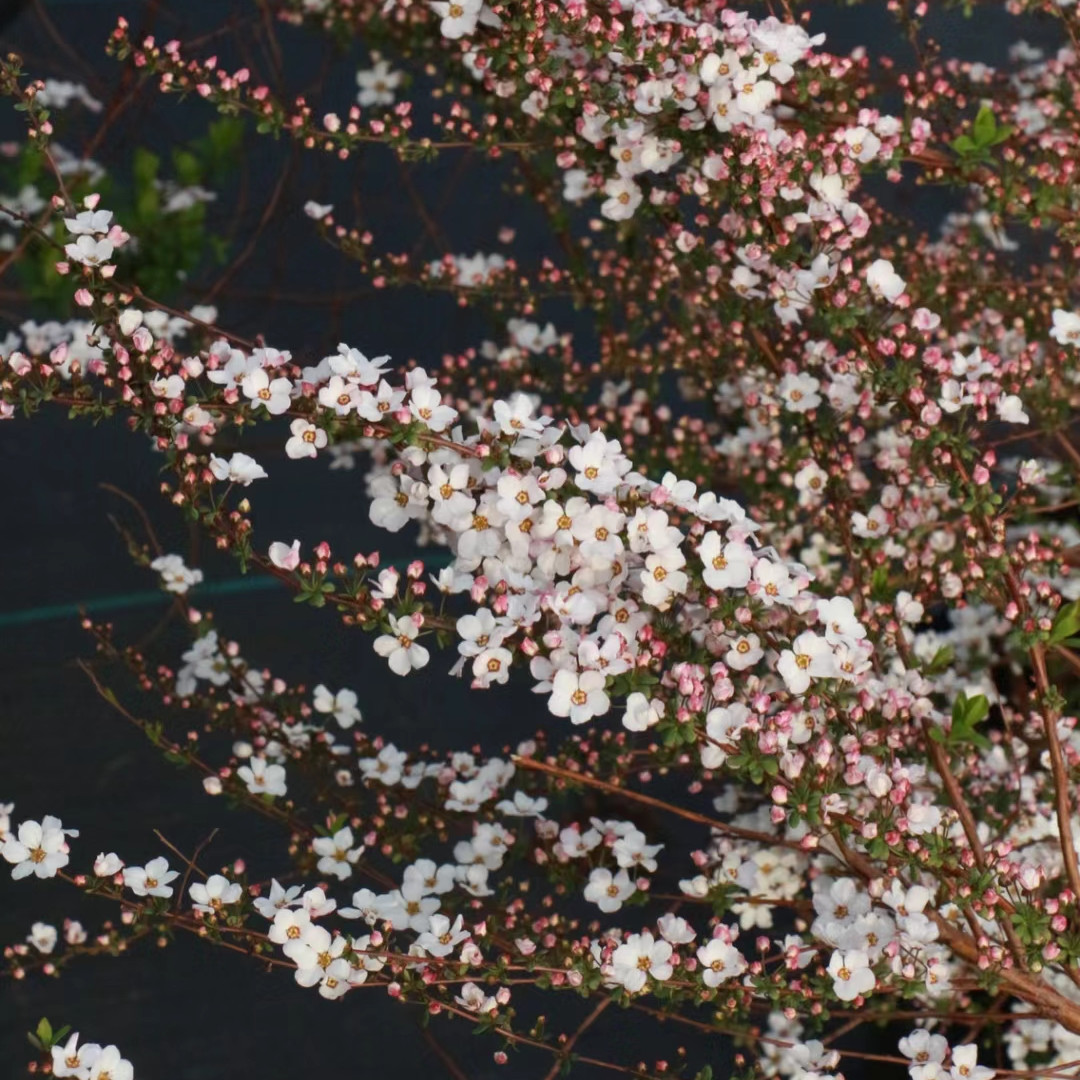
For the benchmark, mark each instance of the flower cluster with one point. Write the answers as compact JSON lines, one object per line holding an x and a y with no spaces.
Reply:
{"x":784,"y":547}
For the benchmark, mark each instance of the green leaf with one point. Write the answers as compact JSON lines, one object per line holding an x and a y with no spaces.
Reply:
{"x":964,"y":144}
{"x":941,"y":660}
{"x":879,"y":583}
{"x":978,"y":709}
{"x":985,"y":127}
{"x":44,"y":1032}
{"x":1066,"y":624}
{"x":967,"y":713}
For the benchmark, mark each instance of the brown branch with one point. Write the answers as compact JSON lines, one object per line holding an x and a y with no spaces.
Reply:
{"x":1061,"y":777}
{"x":659,"y":804}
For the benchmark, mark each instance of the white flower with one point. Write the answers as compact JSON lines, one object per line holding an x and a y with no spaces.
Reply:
{"x":744,"y":653}
{"x":883,"y":281}
{"x":753,"y":95}
{"x":407,"y":908}
{"x":839,"y":619}
{"x":341,"y":705}
{"x":170,"y":388}
{"x":851,"y":974}
{"x":285,"y":556}
{"x":799,"y":392}
{"x":261,"y":778}
{"x":608,"y":891}
{"x":130,"y":320}
{"x":576,"y":185}
{"x":279,"y":900}
{"x":1066,"y":329}
{"x":639,"y":957}
{"x":386,"y":767}
{"x":72,"y":1060}
{"x":337,"y":853}
{"x":924,"y":1048}
{"x":38,"y":849}
{"x":600,"y":464}
{"x":109,"y":1065}
{"x":108,"y":865}
{"x":522,"y":805}
{"x":578,"y":695}
{"x":871,"y":525}
{"x":663,"y":577}
{"x":641,"y":713}
{"x":1032,"y":471}
{"x":215,"y":893}
{"x":964,"y":1065}
{"x":908,"y":609}
{"x":492,"y":666}
{"x":89,"y":252}
{"x":340,"y":395}
{"x":425,"y":403}
{"x":306,"y":441}
{"x":442,"y":936}
{"x":89,"y":223}
{"x":723,"y":728}
{"x":725,"y":566}
{"x":152,"y":879}
{"x":459,"y":17}
{"x":810,"y":482}
{"x":623,"y":198}
{"x":377,"y":85}
{"x":810,"y":657}
{"x":719,"y":962}
{"x":631,"y":851}
{"x":431,"y":877}
{"x":515,"y":417}
{"x":475,"y":1000}
{"x":288,"y":929}
{"x":43,"y":937}
{"x":274,"y":395}
{"x":239,"y":469}
{"x":676,"y":929}
{"x":319,"y":961}
{"x":400,"y":649}
{"x":1011,"y":409}
{"x":175,"y":576}
{"x":922,"y":818}
{"x":863,"y":143}
{"x":774,"y":579}
{"x":376,"y":406}
{"x":317,"y":211}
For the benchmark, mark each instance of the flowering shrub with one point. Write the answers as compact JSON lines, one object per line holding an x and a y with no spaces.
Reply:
{"x":783,"y":542}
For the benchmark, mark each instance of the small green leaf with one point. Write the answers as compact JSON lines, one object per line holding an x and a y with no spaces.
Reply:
{"x":985,"y":127}
{"x":1066,"y":624}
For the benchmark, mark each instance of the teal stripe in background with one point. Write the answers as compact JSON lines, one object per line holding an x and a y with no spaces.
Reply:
{"x":126,"y":601}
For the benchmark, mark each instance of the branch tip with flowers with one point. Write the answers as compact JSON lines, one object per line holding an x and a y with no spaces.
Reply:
{"x":784,"y":543}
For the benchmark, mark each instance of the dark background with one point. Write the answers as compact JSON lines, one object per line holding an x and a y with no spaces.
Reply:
{"x":190,"y":1012}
